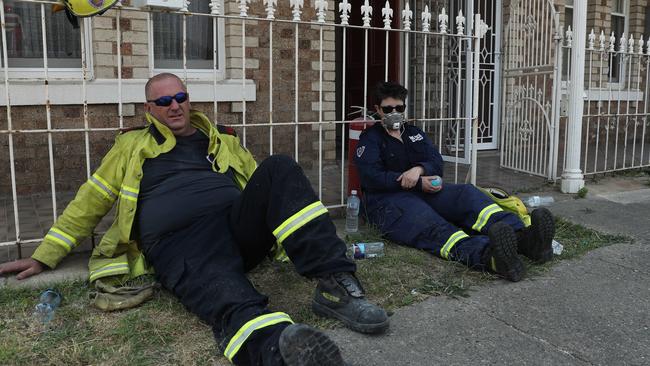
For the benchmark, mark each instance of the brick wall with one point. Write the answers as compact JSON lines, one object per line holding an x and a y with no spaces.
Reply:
{"x":31,"y":150}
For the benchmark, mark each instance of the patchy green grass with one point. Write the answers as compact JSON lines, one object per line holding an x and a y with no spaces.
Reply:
{"x":158,"y":332}
{"x":577,"y":240}
{"x":582,"y":192}
{"x":161,"y":331}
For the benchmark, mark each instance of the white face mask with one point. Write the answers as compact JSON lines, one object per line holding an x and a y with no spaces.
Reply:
{"x":393,"y":120}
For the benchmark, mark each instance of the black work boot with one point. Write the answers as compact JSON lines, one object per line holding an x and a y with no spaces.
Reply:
{"x":535,"y":241}
{"x":341,"y":296}
{"x":501,"y":255}
{"x":302,"y":345}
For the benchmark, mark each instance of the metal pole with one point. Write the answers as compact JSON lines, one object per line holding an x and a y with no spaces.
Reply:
{"x":572,"y":177}
{"x":478,"y":33}
{"x":469,"y":88}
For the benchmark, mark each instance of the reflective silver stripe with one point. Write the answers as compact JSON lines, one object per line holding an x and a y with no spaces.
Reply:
{"x":453,"y":239}
{"x":128,"y":193}
{"x":103,"y":187}
{"x":108,"y":268}
{"x":484,"y":216}
{"x":61,"y":237}
{"x":301,"y":219}
{"x":247,"y":329}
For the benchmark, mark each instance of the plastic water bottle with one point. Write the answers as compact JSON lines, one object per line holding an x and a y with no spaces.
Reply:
{"x":352,"y":213}
{"x":366,"y":250}
{"x":536,"y":201}
{"x":436,"y":182}
{"x":50,"y":301}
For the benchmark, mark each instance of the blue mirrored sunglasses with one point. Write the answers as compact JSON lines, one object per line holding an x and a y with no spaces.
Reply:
{"x":167,"y":99}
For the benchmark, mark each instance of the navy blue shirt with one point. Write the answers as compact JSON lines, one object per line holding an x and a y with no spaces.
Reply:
{"x":381,"y":158}
{"x":179,"y":186}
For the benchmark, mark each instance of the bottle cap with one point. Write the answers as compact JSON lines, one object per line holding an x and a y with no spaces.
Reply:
{"x":354,"y":191}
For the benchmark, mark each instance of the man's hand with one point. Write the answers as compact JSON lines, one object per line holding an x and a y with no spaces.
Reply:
{"x":25,"y":267}
{"x":427,"y":187}
{"x":409,"y":178}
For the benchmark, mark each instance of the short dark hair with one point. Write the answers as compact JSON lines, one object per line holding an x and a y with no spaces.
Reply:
{"x":389,"y":89}
{"x":159,"y":77}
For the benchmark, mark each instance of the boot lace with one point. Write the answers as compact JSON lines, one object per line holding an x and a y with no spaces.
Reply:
{"x":349,"y":283}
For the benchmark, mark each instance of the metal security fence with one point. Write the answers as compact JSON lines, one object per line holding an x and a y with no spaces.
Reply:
{"x":616,"y":116}
{"x":531,"y":80}
{"x":276,"y":73}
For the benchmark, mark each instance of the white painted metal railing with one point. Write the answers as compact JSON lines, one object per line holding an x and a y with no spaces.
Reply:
{"x":532,"y":55}
{"x":616,"y":116}
{"x":412,"y":28}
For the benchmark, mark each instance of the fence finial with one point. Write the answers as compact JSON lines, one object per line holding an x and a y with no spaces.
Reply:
{"x":641,"y":45}
{"x":215,"y":6}
{"x":612,"y":43}
{"x":623,"y":44}
{"x":345,"y":8}
{"x":426,"y":19}
{"x":185,"y":7}
{"x":592,"y":39}
{"x":407,"y":15}
{"x":460,"y":22}
{"x":296,"y":5}
{"x":387,"y":13}
{"x":481,"y":29}
{"x":569,"y":37}
{"x":321,"y":6}
{"x":366,"y":10}
{"x":243,"y":8}
{"x":270,"y":8}
{"x":443,"y":19}
{"x":648,"y":44}
{"x":631,"y":44}
{"x":602,"y":41}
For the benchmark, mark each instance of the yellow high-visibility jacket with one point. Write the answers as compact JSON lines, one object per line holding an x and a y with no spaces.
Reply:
{"x":118,"y":180}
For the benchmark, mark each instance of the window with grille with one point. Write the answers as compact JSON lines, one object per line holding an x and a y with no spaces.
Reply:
{"x":24,"y":33}
{"x":168,"y":39}
{"x":619,"y":20}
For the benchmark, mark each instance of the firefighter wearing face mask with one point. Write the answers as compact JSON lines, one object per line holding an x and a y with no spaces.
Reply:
{"x":397,"y":163}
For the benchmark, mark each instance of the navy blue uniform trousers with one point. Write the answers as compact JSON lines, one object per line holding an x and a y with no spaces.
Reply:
{"x":452,"y":223}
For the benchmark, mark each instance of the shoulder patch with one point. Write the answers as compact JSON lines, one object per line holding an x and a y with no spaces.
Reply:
{"x":129,"y":129}
{"x":416,"y":138}
{"x":226,"y":130}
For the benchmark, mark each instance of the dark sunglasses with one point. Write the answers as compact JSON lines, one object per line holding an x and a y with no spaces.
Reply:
{"x":390,"y":108}
{"x":166,"y":101}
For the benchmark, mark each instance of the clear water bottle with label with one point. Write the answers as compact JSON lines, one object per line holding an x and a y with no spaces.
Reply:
{"x":352,"y":213}
{"x":366,"y":250}
{"x":557,"y":247}
{"x":50,"y":301}
{"x":536,"y":201}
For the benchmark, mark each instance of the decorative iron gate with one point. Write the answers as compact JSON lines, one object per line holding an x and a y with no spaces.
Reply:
{"x":530,"y":98}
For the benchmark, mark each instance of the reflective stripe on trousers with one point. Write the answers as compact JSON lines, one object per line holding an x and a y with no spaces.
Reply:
{"x":252,"y":325}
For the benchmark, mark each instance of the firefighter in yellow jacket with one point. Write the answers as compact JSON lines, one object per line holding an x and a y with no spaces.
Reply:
{"x":192,"y":201}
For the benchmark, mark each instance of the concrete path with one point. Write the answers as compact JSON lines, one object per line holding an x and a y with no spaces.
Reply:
{"x":591,"y":311}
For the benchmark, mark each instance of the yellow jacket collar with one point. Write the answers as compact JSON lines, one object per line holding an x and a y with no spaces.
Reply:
{"x":199,"y":121}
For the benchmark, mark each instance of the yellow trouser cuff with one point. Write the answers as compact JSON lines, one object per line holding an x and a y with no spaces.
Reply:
{"x":298,"y":220}
{"x":453,"y":239}
{"x":252,"y":325}
{"x":484,"y":216}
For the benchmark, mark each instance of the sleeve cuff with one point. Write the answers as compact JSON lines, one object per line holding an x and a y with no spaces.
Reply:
{"x":428,"y":169}
{"x":49,"y":254}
